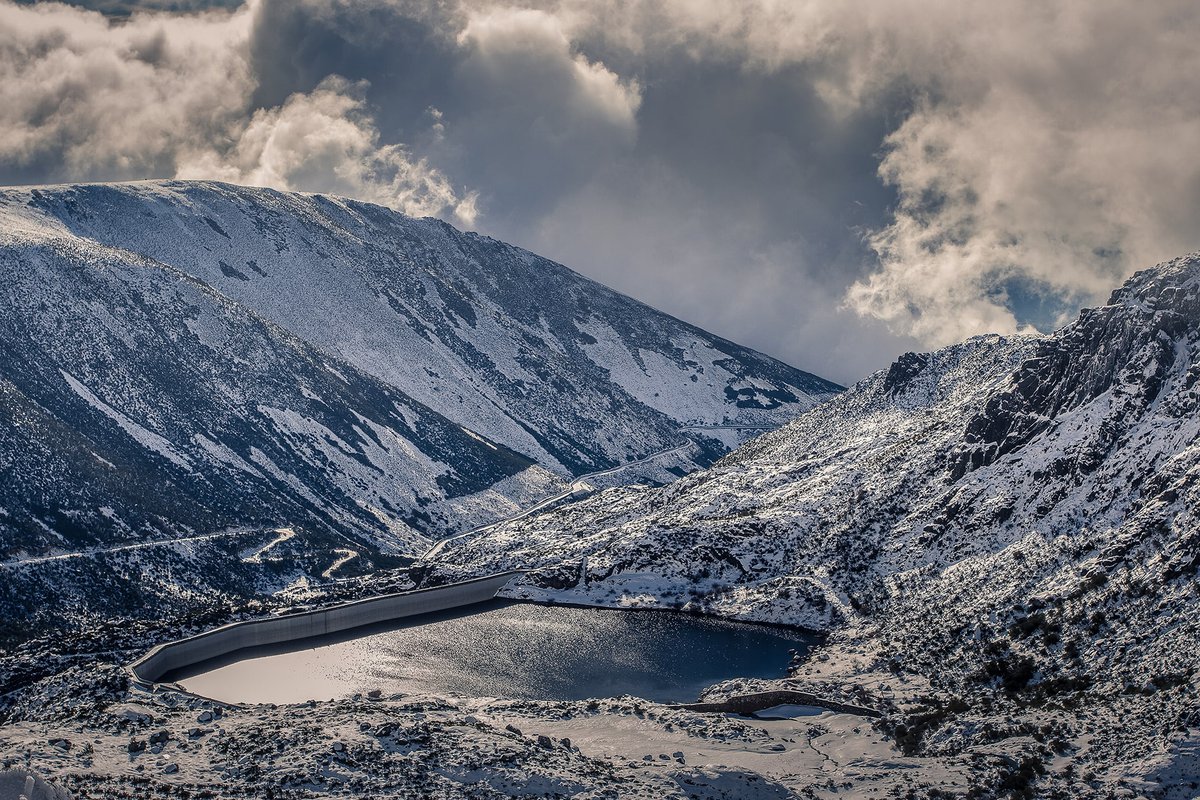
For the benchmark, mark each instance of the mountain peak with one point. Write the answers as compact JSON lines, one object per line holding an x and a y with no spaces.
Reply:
{"x":1173,"y":284}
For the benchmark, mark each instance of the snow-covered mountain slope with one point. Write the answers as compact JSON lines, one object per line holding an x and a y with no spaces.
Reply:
{"x":140,"y":404}
{"x":785,"y":516}
{"x":185,"y":367}
{"x":1010,"y":518}
{"x":507,"y":344}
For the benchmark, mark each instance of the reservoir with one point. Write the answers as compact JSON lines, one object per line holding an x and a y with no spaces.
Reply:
{"x":509,"y":650}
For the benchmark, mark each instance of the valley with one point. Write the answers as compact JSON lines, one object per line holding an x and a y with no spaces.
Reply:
{"x":229,"y":404}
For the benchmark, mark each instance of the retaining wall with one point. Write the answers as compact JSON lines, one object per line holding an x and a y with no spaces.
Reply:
{"x":289,"y":627}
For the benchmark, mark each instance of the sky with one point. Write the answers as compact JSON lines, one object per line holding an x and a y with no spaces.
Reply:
{"x":833,"y":182}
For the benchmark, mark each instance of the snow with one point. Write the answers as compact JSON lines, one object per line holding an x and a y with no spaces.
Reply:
{"x":483,"y":333}
{"x":930,"y":516}
{"x":225,"y":455}
{"x":146,"y":438}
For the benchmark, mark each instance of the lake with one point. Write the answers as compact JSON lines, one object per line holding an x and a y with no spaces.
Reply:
{"x":510,"y":650}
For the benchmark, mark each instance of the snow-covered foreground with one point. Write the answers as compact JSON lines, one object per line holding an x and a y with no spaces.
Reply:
{"x":424,"y":746}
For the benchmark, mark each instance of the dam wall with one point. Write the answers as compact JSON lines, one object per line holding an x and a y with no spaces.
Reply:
{"x":171,"y":656}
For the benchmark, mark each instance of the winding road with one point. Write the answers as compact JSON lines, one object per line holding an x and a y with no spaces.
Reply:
{"x":22,"y":562}
{"x":578,"y":487}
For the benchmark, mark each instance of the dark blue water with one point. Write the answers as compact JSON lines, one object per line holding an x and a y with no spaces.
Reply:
{"x":511,"y":650}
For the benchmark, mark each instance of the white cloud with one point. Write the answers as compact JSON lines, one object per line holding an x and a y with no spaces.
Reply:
{"x":1052,"y":144}
{"x":326,"y":141}
{"x":115,"y":100}
{"x":83,"y":98}
{"x":1062,"y":153}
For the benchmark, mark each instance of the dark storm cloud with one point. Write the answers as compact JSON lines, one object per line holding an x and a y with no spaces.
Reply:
{"x":407,"y":60}
{"x":821,"y":180}
{"x":499,"y":99}
{"x":745,"y":204}
{"x":123,"y":8}
{"x":731,"y":197}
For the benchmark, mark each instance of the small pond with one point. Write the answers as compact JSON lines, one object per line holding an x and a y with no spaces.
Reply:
{"x":511,"y":650}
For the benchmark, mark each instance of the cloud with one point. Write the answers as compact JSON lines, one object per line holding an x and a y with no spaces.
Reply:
{"x":159,"y":95}
{"x":531,"y":117}
{"x":80,"y":97}
{"x":514,"y":50}
{"x":831,"y":181}
{"x":1049,"y":149}
{"x":656,"y":230}
{"x":326,"y":139}
{"x":1062,"y":157}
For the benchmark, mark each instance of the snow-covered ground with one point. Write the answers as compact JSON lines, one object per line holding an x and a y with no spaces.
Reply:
{"x":412,"y":745}
{"x":512,"y":347}
{"x":1012,"y":518}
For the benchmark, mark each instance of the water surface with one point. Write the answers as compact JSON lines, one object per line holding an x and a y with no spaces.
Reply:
{"x":512,"y":650}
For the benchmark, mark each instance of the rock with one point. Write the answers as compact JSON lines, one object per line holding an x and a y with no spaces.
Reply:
{"x":778,"y":748}
{"x":338,"y":747}
{"x":160,"y":737}
{"x":678,"y":756}
{"x":566,"y":743}
{"x":544,"y":741}
{"x":195,"y":733}
{"x":374,"y":694}
{"x":170,"y":769}
{"x":512,"y":729}
{"x":137,"y":745}
{"x":61,"y":744}
{"x":205,"y":717}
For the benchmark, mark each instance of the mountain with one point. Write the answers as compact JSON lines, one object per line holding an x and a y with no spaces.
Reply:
{"x":514,"y":347}
{"x":148,"y":418}
{"x":211,"y":391}
{"x":1002,"y":536}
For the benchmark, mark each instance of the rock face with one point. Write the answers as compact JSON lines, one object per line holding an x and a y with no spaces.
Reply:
{"x":943,"y":457}
{"x":793,"y":525}
{"x":1008,"y":514}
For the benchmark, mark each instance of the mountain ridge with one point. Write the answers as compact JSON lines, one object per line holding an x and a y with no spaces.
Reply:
{"x":999,"y":535}
{"x":515,"y":347}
